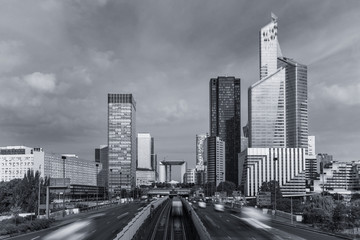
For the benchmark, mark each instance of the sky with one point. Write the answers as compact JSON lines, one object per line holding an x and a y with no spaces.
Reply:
{"x":60,"y":59}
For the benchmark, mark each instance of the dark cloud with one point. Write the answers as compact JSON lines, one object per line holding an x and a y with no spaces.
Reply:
{"x":59,"y":59}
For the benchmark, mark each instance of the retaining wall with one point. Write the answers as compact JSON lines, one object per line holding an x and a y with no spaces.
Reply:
{"x":133,"y":226}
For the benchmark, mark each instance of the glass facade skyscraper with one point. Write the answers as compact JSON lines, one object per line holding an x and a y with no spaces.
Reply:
{"x":225,"y":120}
{"x":278,"y":115}
{"x":121,"y":142}
{"x":296,"y":103}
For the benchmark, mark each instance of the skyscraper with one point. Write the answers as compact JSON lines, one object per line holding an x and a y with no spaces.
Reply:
{"x":200,"y":164}
{"x":296,"y":102}
{"x":145,"y":151}
{"x":121,"y":141}
{"x":146,"y":160}
{"x":278,"y":115}
{"x":278,"y":123}
{"x":225,"y":120}
{"x":216,"y":172}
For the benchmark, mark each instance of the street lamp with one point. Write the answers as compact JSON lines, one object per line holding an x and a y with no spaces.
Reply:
{"x":275,"y":159}
{"x":63,"y":158}
{"x":39,"y":191}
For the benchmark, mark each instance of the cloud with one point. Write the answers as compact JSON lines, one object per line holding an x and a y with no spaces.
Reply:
{"x":346,"y":95}
{"x":103,"y":60}
{"x":41,"y":81}
{"x":11,"y":55}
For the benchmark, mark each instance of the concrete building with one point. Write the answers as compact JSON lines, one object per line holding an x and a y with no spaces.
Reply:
{"x":16,"y":160}
{"x":200,"y":161}
{"x":190,"y":176}
{"x":165,"y":170}
{"x":102,"y":165}
{"x":145,"y":151}
{"x":225,"y":120}
{"x":284,"y":165}
{"x":121,"y":142}
{"x":339,"y":177}
{"x":216,"y":171}
{"x":145,"y":177}
{"x":311,"y":169}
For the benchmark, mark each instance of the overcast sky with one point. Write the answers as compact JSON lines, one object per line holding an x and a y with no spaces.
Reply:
{"x":60,"y":59}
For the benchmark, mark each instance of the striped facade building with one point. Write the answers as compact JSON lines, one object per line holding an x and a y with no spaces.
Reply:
{"x":284,"y":165}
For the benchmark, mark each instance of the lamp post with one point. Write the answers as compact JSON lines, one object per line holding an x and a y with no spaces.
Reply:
{"x":97,"y":185}
{"x":291,"y":210}
{"x":63,"y":158}
{"x":39,"y":191}
{"x":275,"y":159}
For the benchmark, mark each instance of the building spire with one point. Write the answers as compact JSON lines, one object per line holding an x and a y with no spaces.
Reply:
{"x":273,"y":17}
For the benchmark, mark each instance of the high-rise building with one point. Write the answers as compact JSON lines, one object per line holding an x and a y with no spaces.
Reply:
{"x":296,"y":103}
{"x":225,"y":120}
{"x":311,"y":169}
{"x":190,"y":175}
{"x":102,"y":167}
{"x":121,"y":142}
{"x":200,"y":163}
{"x":278,"y":113}
{"x":216,"y":151}
{"x":145,"y":151}
{"x":278,"y":119}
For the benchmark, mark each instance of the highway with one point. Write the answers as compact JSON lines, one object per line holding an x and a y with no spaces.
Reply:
{"x":252,"y":224}
{"x":102,"y":224}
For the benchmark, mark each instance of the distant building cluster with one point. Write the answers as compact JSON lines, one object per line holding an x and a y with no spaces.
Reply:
{"x":275,"y":144}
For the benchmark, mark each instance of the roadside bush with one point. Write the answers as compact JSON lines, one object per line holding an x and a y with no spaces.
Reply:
{"x":9,"y":227}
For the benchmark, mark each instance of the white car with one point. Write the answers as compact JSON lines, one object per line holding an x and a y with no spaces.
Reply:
{"x":219,"y":207}
{"x":202,"y":205}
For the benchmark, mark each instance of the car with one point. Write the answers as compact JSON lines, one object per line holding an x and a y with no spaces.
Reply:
{"x":202,"y":205}
{"x":219,"y":207}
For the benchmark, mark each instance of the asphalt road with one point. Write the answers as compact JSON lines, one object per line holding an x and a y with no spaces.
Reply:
{"x":102,"y":224}
{"x":251,"y":224}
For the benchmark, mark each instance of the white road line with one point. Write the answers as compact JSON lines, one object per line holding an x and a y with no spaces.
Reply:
{"x":122,"y":215}
{"x":35,"y":238}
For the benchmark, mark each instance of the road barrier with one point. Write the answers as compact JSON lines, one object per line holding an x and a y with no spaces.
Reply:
{"x":199,"y":226}
{"x":133,"y":226}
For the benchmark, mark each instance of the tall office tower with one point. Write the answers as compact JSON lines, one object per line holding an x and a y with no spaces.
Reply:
{"x":101,"y":157}
{"x":225,"y":120}
{"x":145,"y":151}
{"x":200,"y":140}
{"x":216,"y":151}
{"x":146,"y":165}
{"x":296,"y":103}
{"x":278,"y":116}
{"x":121,"y":141}
{"x":311,"y":172}
{"x":311,"y":146}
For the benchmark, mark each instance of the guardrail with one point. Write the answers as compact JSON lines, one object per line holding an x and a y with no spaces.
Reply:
{"x":133,"y":226}
{"x":199,"y":226}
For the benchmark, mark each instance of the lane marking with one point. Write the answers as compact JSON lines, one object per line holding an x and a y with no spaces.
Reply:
{"x":35,"y":238}
{"x":211,"y":221}
{"x":253,"y":222}
{"x":122,"y":215}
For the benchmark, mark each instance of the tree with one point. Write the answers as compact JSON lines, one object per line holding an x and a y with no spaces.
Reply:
{"x":15,"y":210}
{"x":355,"y":197}
{"x":273,"y":187}
{"x":209,"y":188}
{"x":227,"y":187}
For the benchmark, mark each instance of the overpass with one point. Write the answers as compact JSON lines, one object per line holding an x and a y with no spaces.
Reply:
{"x":185,"y":192}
